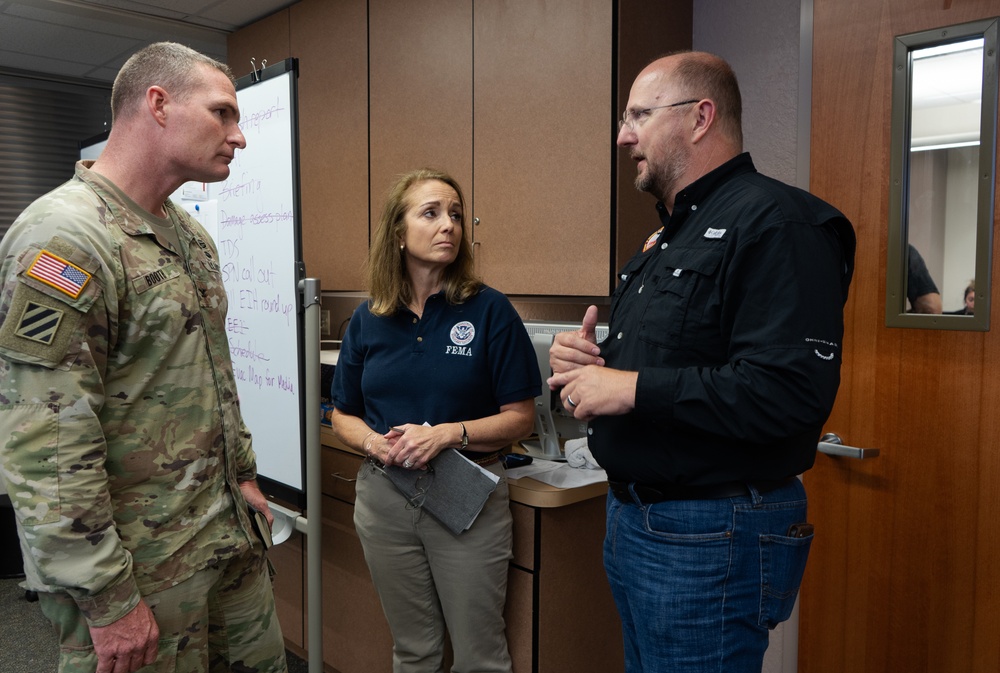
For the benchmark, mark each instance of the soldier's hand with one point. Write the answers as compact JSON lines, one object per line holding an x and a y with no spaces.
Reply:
{"x":128,"y":644}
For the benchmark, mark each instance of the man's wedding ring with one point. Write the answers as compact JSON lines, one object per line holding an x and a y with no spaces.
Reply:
{"x":570,"y":402}
{"x":407,"y":464}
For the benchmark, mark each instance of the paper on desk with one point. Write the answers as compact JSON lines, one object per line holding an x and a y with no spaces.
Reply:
{"x":558,"y":474}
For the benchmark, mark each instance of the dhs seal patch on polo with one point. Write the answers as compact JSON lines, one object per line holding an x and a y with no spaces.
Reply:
{"x":461,"y":335}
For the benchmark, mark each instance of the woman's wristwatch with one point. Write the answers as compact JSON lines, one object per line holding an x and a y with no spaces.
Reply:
{"x":465,"y":437}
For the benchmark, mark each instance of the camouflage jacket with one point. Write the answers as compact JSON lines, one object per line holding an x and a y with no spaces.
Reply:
{"x":122,"y":439}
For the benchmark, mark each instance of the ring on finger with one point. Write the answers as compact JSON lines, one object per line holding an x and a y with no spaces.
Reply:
{"x":570,"y":402}
{"x":407,"y":464}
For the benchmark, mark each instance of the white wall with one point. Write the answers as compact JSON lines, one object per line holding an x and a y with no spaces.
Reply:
{"x":760,"y":40}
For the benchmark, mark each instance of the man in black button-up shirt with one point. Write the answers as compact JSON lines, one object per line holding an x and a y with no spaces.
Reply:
{"x":709,"y":395}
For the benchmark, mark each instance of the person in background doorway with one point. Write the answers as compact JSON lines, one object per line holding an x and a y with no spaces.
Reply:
{"x":921,"y":291}
{"x":434,"y":359}
{"x":969,"y":300}
{"x":124,"y":450}
{"x":708,"y":397}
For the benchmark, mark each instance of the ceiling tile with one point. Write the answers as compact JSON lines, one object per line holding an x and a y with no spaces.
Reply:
{"x":60,"y":42}
{"x":93,"y":38}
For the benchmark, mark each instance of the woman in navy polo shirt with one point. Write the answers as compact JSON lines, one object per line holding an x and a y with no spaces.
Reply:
{"x":434,"y":359}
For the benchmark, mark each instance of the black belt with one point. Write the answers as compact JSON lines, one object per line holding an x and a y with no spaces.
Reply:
{"x":648,"y":493}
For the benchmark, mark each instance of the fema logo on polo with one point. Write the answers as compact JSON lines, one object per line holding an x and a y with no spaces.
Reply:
{"x":462,"y":335}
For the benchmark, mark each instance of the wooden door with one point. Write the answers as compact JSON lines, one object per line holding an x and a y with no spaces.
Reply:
{"x":905,"y":568}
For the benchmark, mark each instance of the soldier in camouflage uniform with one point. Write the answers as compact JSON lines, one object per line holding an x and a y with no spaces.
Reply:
{"x":123,"y":447}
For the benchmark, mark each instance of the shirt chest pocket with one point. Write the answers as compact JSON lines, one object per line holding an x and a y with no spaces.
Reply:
{"x":679,"y":310}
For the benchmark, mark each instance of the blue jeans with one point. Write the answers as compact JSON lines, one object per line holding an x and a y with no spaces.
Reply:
{"x":699,"y":583}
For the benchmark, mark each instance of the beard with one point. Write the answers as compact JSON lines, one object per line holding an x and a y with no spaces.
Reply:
{"x":662,"y":178}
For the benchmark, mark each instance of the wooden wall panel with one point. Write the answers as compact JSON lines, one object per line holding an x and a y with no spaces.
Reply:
{"x":903,"y":568}
{"x":646,"y":30}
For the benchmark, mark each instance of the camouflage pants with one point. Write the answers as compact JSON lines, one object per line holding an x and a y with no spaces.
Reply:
{"x":220,"y":620}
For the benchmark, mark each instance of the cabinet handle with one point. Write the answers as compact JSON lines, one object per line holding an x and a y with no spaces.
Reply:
{"x":336,"y":475}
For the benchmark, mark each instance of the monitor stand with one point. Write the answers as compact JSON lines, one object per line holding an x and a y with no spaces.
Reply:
{"x":534,"y":448}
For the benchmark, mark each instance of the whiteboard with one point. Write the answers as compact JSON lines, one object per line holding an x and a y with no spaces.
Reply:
{"x":255,"y":219}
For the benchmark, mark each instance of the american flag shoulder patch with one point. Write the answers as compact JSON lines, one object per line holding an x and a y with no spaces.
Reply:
{"x":39,"y":323}
{"x":56,"y":272}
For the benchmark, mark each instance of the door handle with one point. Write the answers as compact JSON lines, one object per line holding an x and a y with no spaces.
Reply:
{"x":832,"y":445}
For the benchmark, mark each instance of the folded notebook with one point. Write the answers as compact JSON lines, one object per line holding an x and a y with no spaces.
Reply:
{"x":452,"y":489}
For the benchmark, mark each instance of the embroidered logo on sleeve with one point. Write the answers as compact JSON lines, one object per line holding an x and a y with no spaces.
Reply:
{"x":58,"y":273}
{"x":39,"y":323}
{"x":826,"y":345}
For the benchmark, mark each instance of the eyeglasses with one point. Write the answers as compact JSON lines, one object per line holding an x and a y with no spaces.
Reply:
{"x":631,"y":117}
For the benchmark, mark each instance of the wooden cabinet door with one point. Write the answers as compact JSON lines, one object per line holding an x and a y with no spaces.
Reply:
{"x":330,"y":41}
{"x":266,"y":39}
{"x":904,"y":569}
{"x":289,"y":566}
{"x":356,"y":637}
{"x":421,"y":92}
{"x":543,"y":145}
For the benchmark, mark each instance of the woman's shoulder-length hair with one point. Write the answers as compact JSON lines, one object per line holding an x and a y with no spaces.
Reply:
{"x":389,"y":285}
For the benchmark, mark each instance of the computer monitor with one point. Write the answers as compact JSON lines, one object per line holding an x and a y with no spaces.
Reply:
{"x":553,"y":424}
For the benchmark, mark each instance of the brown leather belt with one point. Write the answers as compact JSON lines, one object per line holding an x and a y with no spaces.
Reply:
{"x":649,"y":494}
{"x":485,"y":460}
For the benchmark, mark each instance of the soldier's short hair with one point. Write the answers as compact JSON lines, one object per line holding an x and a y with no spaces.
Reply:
{"x":167,"y":64}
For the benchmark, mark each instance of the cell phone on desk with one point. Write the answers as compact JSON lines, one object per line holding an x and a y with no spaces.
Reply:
{"x":512,"y":460}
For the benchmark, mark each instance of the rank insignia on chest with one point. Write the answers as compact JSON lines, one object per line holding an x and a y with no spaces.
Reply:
{"x":651,"y":241}
{"x":39,"y":323}
{"x":56,"y":272}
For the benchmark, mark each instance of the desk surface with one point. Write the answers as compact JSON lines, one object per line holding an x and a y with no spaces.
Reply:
{"x":526,"y":490}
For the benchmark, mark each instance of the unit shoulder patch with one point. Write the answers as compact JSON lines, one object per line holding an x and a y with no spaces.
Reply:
{"x":38,"y":328}
{"x":39,"y":323}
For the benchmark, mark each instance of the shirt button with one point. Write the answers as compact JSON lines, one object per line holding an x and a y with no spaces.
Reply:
{"x":663,"y":246}
{"x":590,"y":431}
{"x":619,"y":335}
{"x":414,"y":321}
{"x":419,"y":339}
{"x":694,"y":207}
